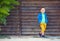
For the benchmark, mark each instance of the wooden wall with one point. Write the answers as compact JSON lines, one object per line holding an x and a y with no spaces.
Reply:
{"x":23,"y":19}
{"x":13,"y":23}
{"x":29,"y":14}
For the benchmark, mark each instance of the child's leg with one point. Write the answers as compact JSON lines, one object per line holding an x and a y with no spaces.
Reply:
{"x":43,"y":28}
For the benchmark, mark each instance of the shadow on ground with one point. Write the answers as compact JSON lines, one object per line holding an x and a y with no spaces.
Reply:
{"x":4,"y":36}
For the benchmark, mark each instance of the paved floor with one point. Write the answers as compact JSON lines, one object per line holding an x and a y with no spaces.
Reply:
{"x":31,"y":38}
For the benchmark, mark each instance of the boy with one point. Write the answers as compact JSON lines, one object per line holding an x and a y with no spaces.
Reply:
{"x":42,"y":20}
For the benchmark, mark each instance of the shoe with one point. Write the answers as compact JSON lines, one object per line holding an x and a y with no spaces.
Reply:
{"x":43,"y":36}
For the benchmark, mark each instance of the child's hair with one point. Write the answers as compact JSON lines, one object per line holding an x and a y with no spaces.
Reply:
{"x":42,"y":7}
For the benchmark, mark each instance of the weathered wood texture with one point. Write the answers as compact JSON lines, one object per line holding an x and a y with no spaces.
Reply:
{"x":23,"y":19}
{"x":29,"y":14}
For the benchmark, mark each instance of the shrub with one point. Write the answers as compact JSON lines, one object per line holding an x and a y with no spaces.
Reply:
{"x":5,"y":7}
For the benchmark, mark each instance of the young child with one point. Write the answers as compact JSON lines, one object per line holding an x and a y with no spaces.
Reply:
{"x":42,"y":20}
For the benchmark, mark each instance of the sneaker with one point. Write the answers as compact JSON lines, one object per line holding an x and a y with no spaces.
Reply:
{"x":43,"y":36}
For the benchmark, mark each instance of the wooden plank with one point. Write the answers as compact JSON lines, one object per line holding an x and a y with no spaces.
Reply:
{"x":41,"y":1}
{"x":37,"y":30}
{"x":37,"y":7}
{"x":35,"y":14}
{"x":38,"y":33}
{"x":8,"y":33}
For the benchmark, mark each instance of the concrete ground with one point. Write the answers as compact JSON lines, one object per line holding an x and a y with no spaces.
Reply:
{"x":30,"y":38}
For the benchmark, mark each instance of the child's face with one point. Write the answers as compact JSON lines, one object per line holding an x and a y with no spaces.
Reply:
{"x":42,"y":10}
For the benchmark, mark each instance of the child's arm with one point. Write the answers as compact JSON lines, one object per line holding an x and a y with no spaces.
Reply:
{"x":39,"y":17}
{"x":46,"y":18}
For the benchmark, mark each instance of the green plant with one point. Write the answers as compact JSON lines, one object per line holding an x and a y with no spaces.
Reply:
{"x":5,"y":7}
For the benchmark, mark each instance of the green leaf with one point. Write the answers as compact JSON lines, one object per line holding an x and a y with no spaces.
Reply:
{"x":4,"y":11}
{"x":5,"y":7}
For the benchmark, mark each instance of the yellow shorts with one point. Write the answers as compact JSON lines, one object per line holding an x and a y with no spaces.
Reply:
{"x":43,"y":27}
